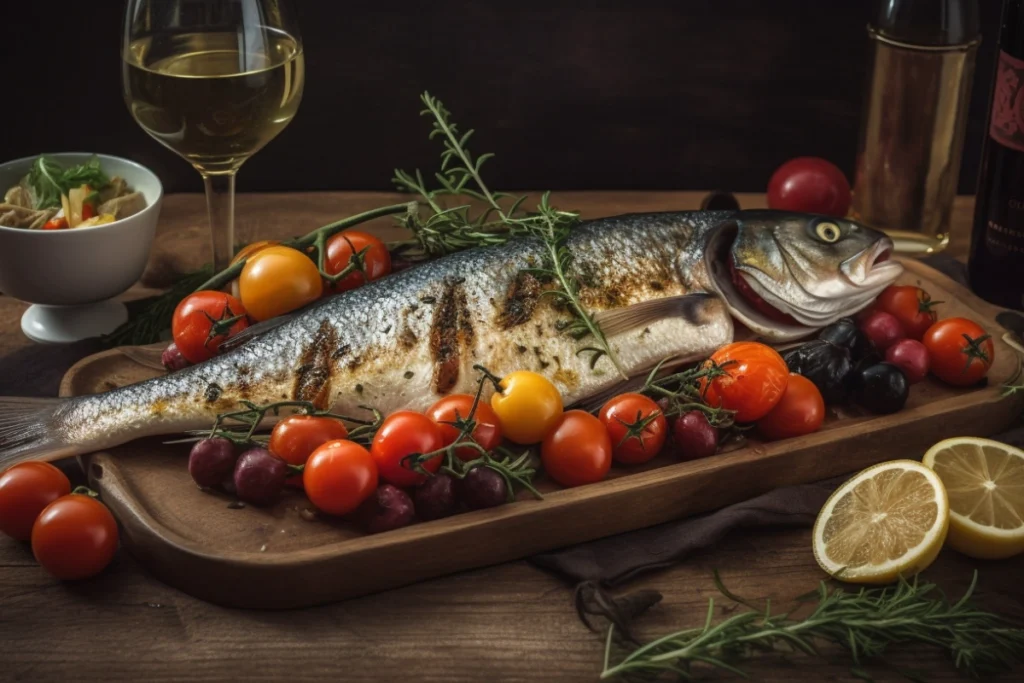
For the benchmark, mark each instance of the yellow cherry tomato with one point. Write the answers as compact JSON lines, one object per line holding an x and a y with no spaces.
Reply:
{"x":278,"y":280}
{"x":528,"y":406}
{"x":250,"y":249}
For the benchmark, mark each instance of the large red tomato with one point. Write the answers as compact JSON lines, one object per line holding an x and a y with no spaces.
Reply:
{"x":755,"y":379}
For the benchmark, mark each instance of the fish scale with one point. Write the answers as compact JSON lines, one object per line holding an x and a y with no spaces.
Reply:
{"x":403,"y":341}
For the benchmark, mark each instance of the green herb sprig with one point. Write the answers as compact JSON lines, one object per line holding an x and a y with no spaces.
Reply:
{"x":48,"y":180}
{"x":866,"y":623}
{"x":451,"y":228}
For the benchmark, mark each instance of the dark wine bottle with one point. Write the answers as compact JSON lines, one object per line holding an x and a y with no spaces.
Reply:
{"x":995,"y":268}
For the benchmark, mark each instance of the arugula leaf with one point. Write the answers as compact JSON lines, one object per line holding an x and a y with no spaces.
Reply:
{"x":48,"y":180}
{"x":44,"y":180}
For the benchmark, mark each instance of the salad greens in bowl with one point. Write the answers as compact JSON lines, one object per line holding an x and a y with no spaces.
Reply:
{"x":55,"y":196}
{"x":75,"y":232}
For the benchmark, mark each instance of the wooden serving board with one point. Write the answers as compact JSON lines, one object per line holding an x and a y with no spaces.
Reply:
{"x":284,"y":556}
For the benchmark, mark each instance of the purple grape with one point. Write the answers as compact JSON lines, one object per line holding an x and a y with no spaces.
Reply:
{"x":387,"y":508}
{"x":482,"y":487}
{"x":172,"y":359}
{"x":211,"y":462}
{"x":435,"y":498}
{"x":259,"y":476}
{"x":694,"y":436}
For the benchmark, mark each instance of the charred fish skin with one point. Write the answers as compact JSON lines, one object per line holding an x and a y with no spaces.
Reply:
{"x":403,"y":341}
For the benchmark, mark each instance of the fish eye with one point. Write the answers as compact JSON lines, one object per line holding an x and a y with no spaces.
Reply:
{"x":828,"y":232}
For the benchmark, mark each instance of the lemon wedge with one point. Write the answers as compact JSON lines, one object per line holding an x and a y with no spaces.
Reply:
{"x":985,"y":483}
{"x":888,"y":521}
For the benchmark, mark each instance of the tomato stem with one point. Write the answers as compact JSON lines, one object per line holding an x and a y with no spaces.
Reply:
{"x":973,"y":351}
{"x":312,"y":239}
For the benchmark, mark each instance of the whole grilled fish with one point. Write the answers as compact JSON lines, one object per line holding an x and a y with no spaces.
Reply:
{"x":662,"y":286}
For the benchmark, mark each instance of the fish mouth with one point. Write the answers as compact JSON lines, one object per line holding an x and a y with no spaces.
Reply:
{"x":863,"y":277}
{"x":873,"y":267}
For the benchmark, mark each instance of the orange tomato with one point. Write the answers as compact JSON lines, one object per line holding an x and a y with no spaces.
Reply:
{"x":250,"y":249}
{"x":278,"y":280}
{"x":294,"y":439}
{"x":754,"y":382}
{"x":800,"y":411}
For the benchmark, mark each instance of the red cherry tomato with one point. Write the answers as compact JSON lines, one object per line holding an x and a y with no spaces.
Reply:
{"x":296,"y":437}
{"x":203,"y":321}
{"x":451,"y":408}
{"x":339,"y":476}
{"x":910,"y":356}
{"x":883,"y":329}
{"x":801,"y":411}
{"x":754,"y":382}
{"x":961,"y":351}
{"x":75,"y":537}
{"x":56,"y":224}
{"x":400,"y":435}
{"x":370,"y":256}
{"x":809,"y":185}
{"x":912,"y":306}
{"x":636,"y":426}
{"x":25,"y":490}
{"x":578,"y":450}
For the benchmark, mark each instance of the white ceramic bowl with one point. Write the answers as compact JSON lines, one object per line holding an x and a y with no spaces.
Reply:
{"x":72,"y":275}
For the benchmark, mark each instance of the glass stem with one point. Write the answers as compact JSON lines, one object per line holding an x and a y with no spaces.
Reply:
{"x":220,"y":202}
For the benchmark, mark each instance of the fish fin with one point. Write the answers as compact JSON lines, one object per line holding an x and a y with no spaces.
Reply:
{"x":619,"y":320}
{"x":28,"y":430}
{"x":257,"y":330}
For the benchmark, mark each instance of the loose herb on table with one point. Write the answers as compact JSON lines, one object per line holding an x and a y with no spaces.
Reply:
{"x":866,"y":622}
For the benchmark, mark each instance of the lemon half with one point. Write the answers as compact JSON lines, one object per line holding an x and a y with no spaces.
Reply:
{"x":985,"y":483}
{"x":888,"y":521}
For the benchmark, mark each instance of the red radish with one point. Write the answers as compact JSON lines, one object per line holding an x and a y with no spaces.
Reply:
{"x":883,"y":329}
{"x":910,"y":356}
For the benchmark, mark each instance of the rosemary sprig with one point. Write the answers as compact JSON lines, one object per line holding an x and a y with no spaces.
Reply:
{"x":517,"y":471}
{"x":460,"y":175}
{"x":681,"y":391}
{"x":240,"y":426}
{"x":866,"y":622}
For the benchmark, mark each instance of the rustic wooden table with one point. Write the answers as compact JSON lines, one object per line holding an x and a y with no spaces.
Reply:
{"x":507,"y":622}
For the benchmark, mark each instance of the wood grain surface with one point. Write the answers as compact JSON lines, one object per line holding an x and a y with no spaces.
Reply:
{"x":508,"y":622}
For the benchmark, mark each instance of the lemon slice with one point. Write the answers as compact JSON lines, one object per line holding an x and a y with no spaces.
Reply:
{"x":888,"y":521}
{"x":985,"y":482}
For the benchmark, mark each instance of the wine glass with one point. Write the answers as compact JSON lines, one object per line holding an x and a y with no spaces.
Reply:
{"x":215,"y":81}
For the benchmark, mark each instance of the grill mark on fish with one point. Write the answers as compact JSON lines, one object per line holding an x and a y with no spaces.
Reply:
{"x":450,"y":332}
{"x":407,"y":339}
{"x":213,"y":392}
{"x":313,"y":376}
{"x":520,"y":301}
{"x":342,"y":351}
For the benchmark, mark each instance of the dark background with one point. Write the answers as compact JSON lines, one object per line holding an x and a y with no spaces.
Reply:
{"x":692,"y":94}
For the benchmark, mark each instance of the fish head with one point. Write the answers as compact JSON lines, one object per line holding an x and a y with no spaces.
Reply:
{"x":786,"y":274}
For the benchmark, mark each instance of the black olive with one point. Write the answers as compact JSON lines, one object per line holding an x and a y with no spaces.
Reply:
{"x":844,"y":332}
{"x":827,"y":365}
{"x":881,"y":388}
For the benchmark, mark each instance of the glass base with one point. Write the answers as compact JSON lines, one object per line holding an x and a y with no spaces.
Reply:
{"x":917,"y":244}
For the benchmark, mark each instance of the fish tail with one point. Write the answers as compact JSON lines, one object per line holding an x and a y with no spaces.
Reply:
{"x":29,"y":430}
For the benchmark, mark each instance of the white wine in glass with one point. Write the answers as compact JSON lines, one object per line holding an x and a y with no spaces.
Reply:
{"x":215,"y":81}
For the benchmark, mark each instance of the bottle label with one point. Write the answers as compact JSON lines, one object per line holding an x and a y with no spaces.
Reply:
{"x":1007,"y":125}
